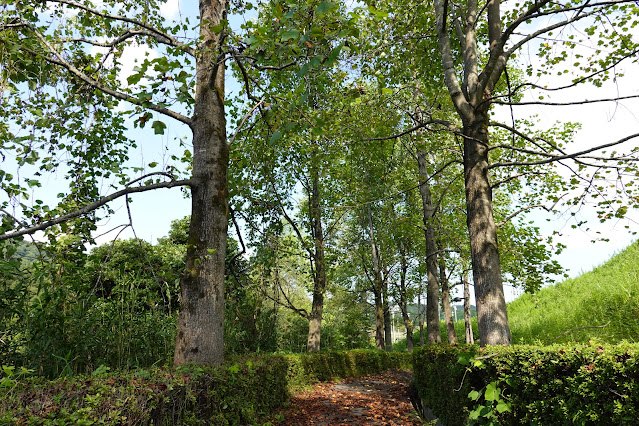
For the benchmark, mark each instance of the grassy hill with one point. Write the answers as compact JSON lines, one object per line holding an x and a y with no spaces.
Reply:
{"x":609,"y":293}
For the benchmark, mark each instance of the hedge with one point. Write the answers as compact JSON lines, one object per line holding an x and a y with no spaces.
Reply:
{"x":550,"y":385}
{"x":243,"y":391}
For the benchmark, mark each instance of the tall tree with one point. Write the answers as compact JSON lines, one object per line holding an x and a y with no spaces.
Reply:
{"x":52,"y":46}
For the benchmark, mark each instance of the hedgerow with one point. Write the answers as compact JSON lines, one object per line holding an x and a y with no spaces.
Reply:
{"x":241,"y":392}
{"x":579,"y":384}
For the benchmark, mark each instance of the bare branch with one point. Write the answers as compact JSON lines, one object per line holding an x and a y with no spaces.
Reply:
{"x":130,"y":34}
{"x":567,"y":86}
{"x":94,"y":206}
{"x":514,"y":177}
{"x":525,"y":209}
{"x":583,"y":102}
{"x":422,"y":125}
{"x":566,"y":156}
{"x":246,"y":117}
{"x":575,"y":329}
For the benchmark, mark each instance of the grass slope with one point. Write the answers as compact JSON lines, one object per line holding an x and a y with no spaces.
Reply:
{"x":608,"y":293}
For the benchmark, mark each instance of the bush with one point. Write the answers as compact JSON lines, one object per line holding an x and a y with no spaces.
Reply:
{"x":243,"y":391}
{"x":584,"y":384}
{"x":327,"y":365}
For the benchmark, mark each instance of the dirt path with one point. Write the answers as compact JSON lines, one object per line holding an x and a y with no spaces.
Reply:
{"x":381,"y":399}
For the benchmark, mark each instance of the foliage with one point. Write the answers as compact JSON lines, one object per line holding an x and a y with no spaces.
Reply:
{"x":608,"y":294}
{"x":559,"y":384}
{"x":242,"y":391}
{"x":326,"y":365}
{"x":72,"y":311}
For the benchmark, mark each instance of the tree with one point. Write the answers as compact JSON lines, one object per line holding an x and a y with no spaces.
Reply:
{"x":477,"y":51}
{"x":48,"y":49}
{"x":488,"y":43}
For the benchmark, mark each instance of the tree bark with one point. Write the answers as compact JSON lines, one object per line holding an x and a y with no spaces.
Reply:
{"x":432,"y":300}
{"x":319,"y":276}
{"x":448,"y":313}
{"x":492,"y":315}
{"x":388,"y":328}
{"x":471,"y":102}
{"x":403,"y":300}
{"x":200,"y":333}
{"x":420,"y":317}
{"x":470,"y":339}
{"x":377,"y":286}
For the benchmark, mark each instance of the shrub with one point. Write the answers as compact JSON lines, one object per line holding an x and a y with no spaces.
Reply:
{"x":585,"y":384}
{"x":243,"y":391}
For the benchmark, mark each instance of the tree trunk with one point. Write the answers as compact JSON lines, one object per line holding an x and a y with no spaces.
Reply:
{"x":492,"y":315}
{"x":403,"y":301}
{"x":319,"y":276}
{"x":448,"y":313}
{"x":200,"y":333}
{"x":379,"y":319}
{"x":388,"y":328}
{"x":420,"y":317}
{"x":470,"y":339}
{"x":432,"y":300}
{"x":472,"y":102}
{"x":377,"y":286}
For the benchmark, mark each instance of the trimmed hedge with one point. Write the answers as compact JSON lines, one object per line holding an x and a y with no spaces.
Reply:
{"x":325,"y":365}
{"x":552,"y":385}
{"x":243,"y":391}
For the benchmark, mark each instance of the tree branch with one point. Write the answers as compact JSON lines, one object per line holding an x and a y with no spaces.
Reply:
{"x":133,"y":33}
{"x":445,"y":123}
{"x":61,"y":61}
{"x":575,"y":329}
{"x":94,"y":206}
{"x":525,"y":209}
{"x":152,"y":31}
{"x":584,"y":102}
{"x":567,"y":156}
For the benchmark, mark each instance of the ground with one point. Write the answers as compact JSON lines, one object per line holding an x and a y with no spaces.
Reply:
{"x":381,"y":399}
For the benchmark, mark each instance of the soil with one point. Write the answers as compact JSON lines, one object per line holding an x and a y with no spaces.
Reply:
{"x":380,"y":399}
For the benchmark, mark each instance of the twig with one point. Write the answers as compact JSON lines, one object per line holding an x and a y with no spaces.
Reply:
{"x":575,"y":329}
{"x":94,"y":206}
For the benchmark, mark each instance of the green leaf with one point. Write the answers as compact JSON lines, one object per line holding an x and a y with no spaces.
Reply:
{"x":158,"y":127}
{"x":302,"y":72}
{"x":134,"y":79}
{"x":290,"y":35}
{"x":492,"y":391}
{"x":153,"y":164}
{"x":474,"y":395}
{"x":503,"y":407}
{"x":316,"y":60}
{"x":325,"y":7}
{"x":277,"y":135}
{"x":474,"y":415}
{"x":463,"y":358}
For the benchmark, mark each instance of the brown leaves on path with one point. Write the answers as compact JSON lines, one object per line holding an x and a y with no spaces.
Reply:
{"x":381,"y":399}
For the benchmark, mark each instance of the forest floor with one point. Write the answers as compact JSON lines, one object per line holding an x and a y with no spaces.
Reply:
{"x":380,"y":399}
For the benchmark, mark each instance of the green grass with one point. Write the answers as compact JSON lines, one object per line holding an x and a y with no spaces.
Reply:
{"x":609,"y":293}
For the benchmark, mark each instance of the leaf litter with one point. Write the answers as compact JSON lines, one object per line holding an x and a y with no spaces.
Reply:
{"x":380,"y":399}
